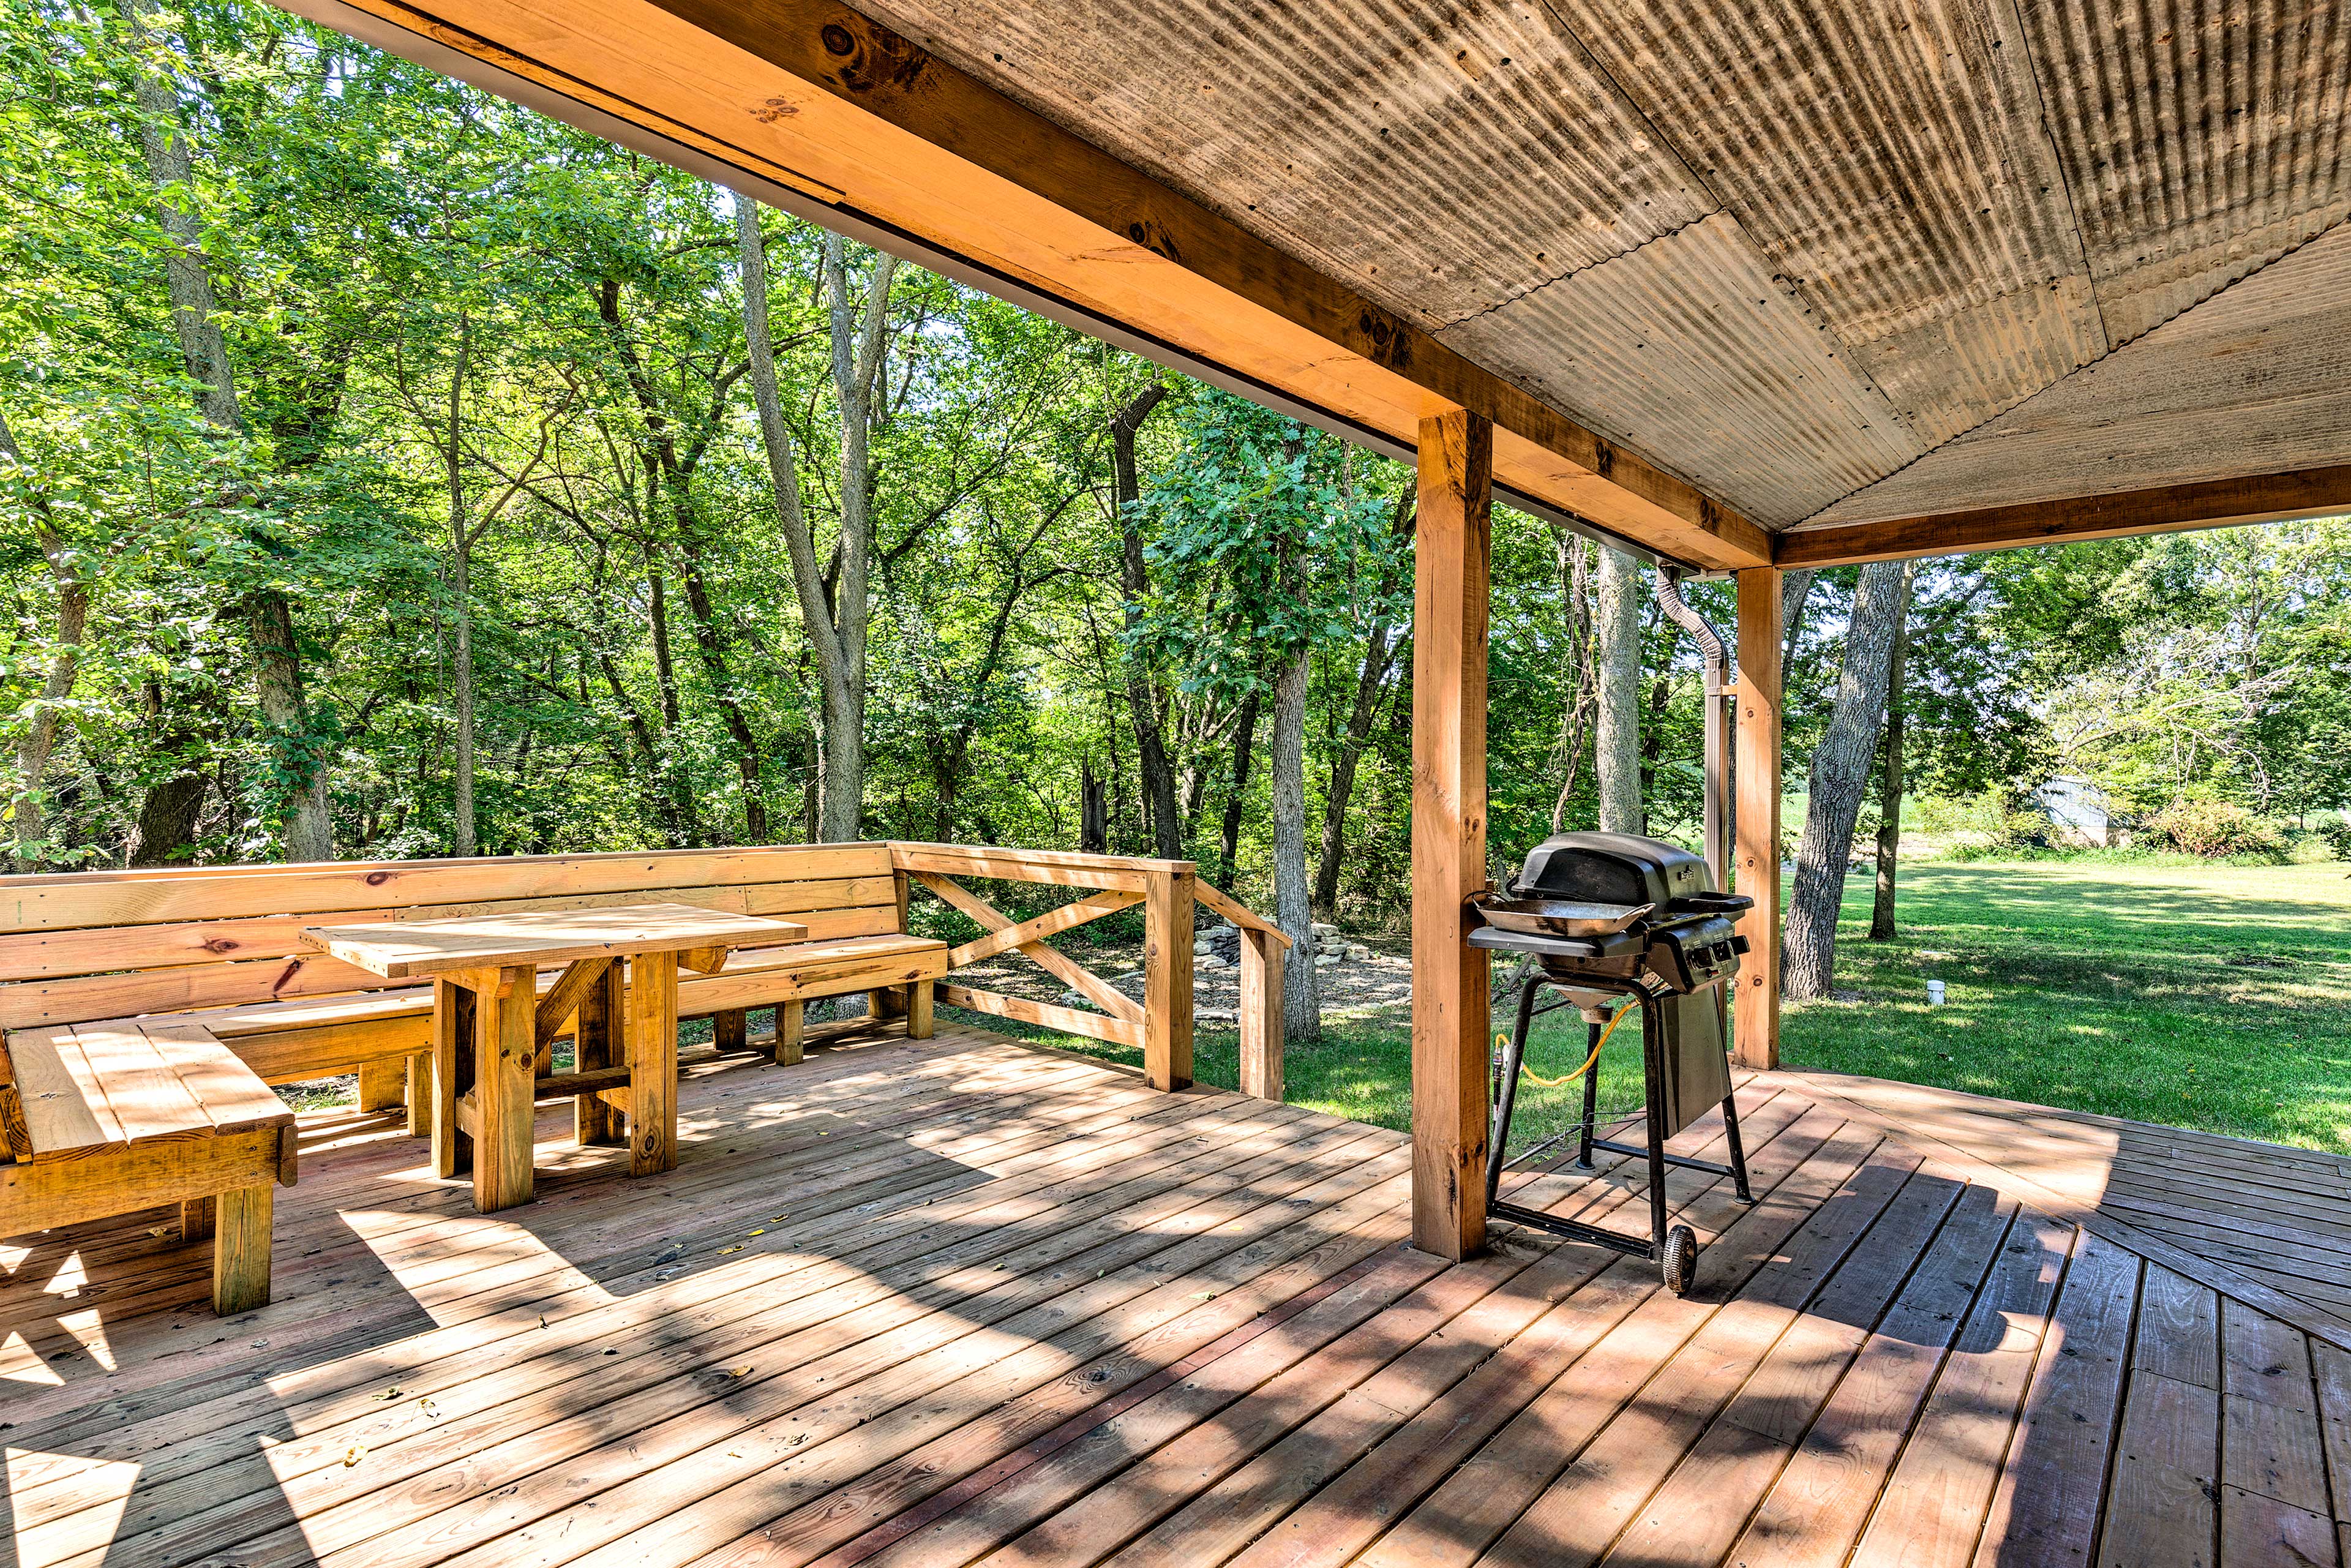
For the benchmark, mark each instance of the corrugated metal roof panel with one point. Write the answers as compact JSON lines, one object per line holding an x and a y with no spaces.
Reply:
{"x":2202,"y":139}
{"x":1689,"y":346}
{"x":1442,"y":157}
{"x":1887,"y":156}
{"x":2251,"y":380}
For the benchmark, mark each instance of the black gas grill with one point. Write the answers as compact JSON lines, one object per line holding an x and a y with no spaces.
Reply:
{"x":1609,"y":917}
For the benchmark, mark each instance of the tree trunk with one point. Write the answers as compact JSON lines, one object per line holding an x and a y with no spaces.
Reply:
{"x":165,"y":830}
{"x":461,"y":598}
{"x":1301,"y":1006}
{"x":1244,"y":743}
{"x":1619,"y":637}
{"x":1093,"y":814}
{"x":1578,"y":706}
{"x":1795,"y":590}
{"x":1142,"y":698}
{"x":1379,"y":657}
{"x":31,"y":823}
{"x":1889,"y":795}
{"x":1840,"y":775}
{"x":836,"y":615}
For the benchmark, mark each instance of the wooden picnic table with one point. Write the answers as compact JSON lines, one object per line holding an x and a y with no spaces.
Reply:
{"x":493,"y":1027}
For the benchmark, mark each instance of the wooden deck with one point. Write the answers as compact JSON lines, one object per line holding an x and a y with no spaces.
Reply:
{"x":960,"y":1299}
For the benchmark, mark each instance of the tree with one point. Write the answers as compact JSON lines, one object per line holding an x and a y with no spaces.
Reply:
{"x":1265,"y":545}
{"x":1889,"y":792}
{"x":308,"y":831}
{"x":1619,"y":730}
{"x":835,"y":609}
{"x":1840,"y":772}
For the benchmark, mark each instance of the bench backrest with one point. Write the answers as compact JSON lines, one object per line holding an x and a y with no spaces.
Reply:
{"x":116,"y":943}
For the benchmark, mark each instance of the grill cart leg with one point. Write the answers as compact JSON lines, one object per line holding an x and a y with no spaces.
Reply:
{"x":1591,"y":1100}
{"x":1499,"y":1139}
{"x":1738,"y":1150}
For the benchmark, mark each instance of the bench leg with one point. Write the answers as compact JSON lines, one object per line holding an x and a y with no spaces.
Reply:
{"x":601,"y":1043}
{"x":240,"y":1251}
{"x":383,"y":1085}
{"x":918,"y":1010}
{"x":196,"y":1220}
{"x":791,"y":1019}
{"x":419,"y":1094}
{"x":731,"y":1031}
{"x":889,"y":1002}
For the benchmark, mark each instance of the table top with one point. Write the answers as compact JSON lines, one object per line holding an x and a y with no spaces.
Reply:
{"x":400,"y":949}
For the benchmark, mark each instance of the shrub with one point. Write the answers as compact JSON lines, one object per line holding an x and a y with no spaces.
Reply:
{"x":2215,"y":829}
{"x":2337,"y":834}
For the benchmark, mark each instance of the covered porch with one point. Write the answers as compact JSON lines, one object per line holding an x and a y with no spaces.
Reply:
{"x":967,"y":1299}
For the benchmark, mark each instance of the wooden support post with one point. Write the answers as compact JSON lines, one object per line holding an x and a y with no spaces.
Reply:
{"x":1452,"y":555}
{"x":241,"y":1249}
{"x":652,"y":1063}
{"x":791,"y":1018}
{"x":506,"y":1046}
{"x":1756,"y":1017}
{"x":1260,"y":1014}
{"x":918,"y":1010}
{"x":601,"y":1043}
{"x":383,"y":1085}
{"x":887,"y":1002}
{"x":1167,"y":978}
{"x":199,"y":1217}
{"x":730,"y":1030}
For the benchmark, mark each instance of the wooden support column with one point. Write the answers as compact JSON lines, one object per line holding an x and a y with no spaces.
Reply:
{"x":503,"y":1045}
{"x":1449,"y":1053}
{"x":1167,"y":906}
{"x":1756,"y":1018}
{"x":652,"y":1063}
{"x":1260,"y":1013}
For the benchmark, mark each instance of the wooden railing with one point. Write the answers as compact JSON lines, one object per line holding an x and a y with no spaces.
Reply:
{"x":1169,"y":891}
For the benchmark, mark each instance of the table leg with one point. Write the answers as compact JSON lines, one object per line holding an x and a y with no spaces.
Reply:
{"x":453,"y":1074}
{"x":505,"y":1047}
{"x":601,"y":1041}
{"x":652,"y":1063}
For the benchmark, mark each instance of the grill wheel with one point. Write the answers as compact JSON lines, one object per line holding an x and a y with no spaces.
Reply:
{"x":1679,"y":1263}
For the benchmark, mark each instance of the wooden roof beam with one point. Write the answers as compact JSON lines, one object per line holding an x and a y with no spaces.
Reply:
{"x":811,"y":98}
{"x":2170,"y":509}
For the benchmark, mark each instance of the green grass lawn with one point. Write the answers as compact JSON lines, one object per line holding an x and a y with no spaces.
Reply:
{"x":2208,"y":997}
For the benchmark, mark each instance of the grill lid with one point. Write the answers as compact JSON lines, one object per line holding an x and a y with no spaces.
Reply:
{"x":1611,"y":867}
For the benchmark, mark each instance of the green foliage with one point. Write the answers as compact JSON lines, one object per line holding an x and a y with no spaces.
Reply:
{"x":2214,"y":828}
{"x":463,"y":336}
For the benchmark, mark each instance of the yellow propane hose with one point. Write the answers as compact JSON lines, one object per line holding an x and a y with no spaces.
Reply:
{"x":1503,"y":1041}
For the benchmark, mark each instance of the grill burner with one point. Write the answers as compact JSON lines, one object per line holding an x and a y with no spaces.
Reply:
{"x":1606,"y":916}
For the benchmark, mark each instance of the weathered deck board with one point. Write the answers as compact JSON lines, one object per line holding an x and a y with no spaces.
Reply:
{"x":961,"y":1300}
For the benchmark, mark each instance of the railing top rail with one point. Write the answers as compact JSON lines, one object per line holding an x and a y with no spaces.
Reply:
{"x":909,"y":853}
{"x":1239,"y":914}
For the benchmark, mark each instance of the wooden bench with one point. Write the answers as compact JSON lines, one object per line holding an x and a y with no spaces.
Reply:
{"x":106,"y":1118}
{"x":221,"y":947}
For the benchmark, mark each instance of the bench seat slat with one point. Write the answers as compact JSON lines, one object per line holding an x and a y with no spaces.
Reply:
{"x":61,"y":1116}
{"x":138,"y":1086}
{"x":233,"y":1099}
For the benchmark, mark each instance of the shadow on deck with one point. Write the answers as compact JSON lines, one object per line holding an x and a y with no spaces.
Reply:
{"x":923,"y":1302}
